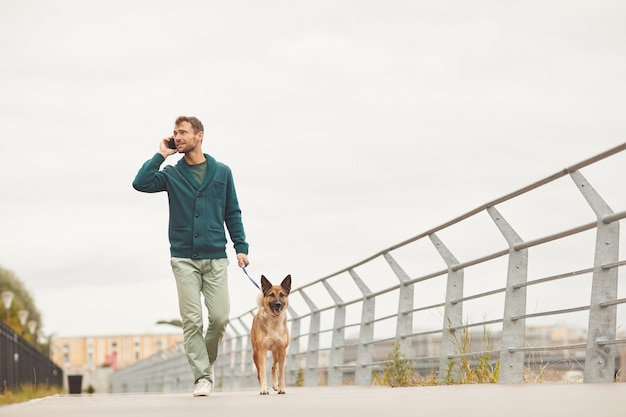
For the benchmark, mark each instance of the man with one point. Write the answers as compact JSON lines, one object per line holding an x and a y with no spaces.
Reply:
{"x":202,"y":199}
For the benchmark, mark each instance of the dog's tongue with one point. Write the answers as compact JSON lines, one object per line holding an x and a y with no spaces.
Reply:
{"x":276,"y":312}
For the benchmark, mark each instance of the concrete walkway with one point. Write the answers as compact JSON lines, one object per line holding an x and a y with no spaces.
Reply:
{"x":567,"y":400}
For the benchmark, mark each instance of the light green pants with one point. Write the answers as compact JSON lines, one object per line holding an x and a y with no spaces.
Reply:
{"x":209,"y":278}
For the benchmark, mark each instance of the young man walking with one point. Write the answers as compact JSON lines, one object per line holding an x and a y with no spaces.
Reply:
{"x":202,"y":200}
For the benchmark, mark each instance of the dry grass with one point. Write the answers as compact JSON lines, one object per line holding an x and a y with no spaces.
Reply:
{"x":400,"y":372}
{"x":482,"y":369}
{"x":485,"y":371}
{"x":479,"y":368}
{"x":27,"y":393}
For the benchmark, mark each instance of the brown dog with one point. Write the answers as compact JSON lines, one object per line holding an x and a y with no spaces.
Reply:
{"x":270,"y":333}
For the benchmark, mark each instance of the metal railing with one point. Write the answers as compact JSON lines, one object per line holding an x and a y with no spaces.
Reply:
{"x":21,"y":364}
{"x":424,"y":292}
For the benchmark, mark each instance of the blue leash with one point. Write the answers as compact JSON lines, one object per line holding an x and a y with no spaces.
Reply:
{"x":250,"y":278}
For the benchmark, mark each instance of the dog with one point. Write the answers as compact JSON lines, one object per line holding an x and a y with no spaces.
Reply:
{"x":269,"y":332}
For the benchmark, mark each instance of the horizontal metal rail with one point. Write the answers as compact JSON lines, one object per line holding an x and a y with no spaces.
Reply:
{"x":551,"y":313}
{"x":548,"y":348}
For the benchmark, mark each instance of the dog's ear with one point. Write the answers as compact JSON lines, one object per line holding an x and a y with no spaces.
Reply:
{"x":286,"y":284}
{"x":265,"y":284}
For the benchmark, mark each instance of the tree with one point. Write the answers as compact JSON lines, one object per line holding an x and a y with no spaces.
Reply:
{"x":22,"y":300}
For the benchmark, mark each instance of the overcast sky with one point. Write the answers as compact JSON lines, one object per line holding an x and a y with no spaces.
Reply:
{"x":349,"y":126}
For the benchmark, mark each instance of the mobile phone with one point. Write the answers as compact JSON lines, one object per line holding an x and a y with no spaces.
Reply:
{"x":171,"y":144}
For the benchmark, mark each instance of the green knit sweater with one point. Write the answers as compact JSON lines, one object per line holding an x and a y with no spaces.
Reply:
{"x":198,"y":212}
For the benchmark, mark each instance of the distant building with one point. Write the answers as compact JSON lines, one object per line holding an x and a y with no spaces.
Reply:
{"x":95,"y":357}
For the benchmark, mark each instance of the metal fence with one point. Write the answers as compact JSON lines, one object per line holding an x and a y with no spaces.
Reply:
{"x":472,"y":274}
{"x":21,"y":364}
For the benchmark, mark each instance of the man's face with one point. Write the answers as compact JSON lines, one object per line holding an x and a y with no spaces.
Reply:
{"x":186,"y":140}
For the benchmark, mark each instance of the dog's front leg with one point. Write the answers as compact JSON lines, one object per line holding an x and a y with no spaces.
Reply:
{"x":260,"y":362}
{"x":274,"y":366}
{"x":280,"y":381}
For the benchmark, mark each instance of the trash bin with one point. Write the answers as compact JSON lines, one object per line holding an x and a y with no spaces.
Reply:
{"x":75,"y":383}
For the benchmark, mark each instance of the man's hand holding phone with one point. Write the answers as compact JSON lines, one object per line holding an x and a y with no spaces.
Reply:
{"x":168,"y":147}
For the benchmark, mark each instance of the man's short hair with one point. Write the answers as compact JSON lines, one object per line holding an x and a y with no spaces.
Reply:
{"x":196,"y":124}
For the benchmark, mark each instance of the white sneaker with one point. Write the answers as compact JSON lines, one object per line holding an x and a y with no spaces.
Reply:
{"x":203,"y":388}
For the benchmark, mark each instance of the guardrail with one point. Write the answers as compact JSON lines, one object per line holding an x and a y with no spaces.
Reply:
{"x":426,"y":291}
{"x":21,"y":364}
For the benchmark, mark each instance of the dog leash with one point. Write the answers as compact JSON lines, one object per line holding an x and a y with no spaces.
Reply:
{"x":249,"y":277}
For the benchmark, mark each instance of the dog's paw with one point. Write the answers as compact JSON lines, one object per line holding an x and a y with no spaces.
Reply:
{"x":281,"y":392}
{"x":265,"y":392}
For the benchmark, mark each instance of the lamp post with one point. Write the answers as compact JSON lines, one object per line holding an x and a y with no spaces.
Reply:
{"x":7,"y":299}
{"x":32,"y":326}
{"x":23,"y":316}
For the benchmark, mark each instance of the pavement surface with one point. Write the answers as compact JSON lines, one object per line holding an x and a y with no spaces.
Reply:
{"x":567,"y":400}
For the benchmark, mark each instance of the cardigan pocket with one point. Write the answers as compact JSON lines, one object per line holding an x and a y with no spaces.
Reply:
{"x":216,"y":239}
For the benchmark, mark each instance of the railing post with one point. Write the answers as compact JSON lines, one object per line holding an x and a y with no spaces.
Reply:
{"x":513,"y":331}
{"x":335,"y":372}
{"x":452,"y":317}
{"x":404,"y":326}
{"x":311,"y":374}
{"x":363,"y":373}
{"x":600,"y":359}
{"x":293,"y":364}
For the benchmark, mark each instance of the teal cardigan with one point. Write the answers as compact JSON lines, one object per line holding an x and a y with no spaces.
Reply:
{"x":198,"y":212}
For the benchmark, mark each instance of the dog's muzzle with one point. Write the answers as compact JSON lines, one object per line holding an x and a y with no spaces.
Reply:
{"x":276,"y":308}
